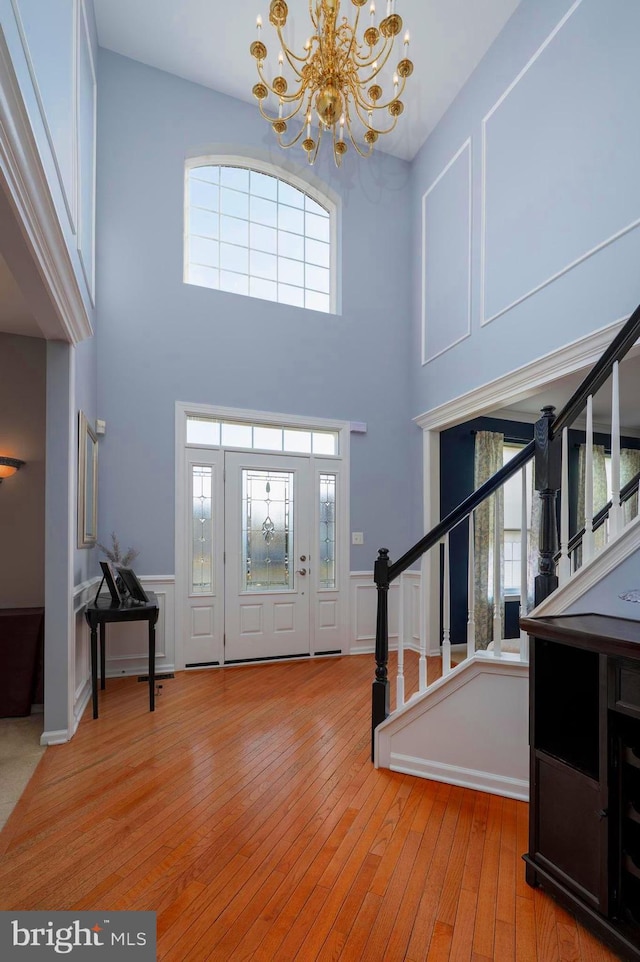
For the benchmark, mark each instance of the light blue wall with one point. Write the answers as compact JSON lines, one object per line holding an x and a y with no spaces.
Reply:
{"x":604,"y":598}
{"x":550,"y":121}
{"x":160,"y":340}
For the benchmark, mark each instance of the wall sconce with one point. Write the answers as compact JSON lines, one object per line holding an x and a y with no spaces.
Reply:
{"x":9,"y":466}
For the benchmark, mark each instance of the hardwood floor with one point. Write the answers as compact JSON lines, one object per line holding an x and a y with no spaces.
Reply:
{"x":246,"y":813}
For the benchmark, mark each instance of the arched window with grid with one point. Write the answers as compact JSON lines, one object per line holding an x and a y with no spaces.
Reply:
{"x":248,"y":230}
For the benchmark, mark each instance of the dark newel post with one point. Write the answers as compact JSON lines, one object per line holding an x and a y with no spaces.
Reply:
{"x":548,"y":462}
{"x":380,"y":691}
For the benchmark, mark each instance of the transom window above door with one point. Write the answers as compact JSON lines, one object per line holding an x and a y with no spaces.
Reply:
{"x":266,"y":437}
{"x":248,"y":231}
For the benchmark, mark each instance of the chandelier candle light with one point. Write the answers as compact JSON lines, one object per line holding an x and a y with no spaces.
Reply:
{"x":337,"y":76}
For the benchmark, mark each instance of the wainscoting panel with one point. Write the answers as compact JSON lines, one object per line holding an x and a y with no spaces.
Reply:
{"x":83,"y":594}
{"x":43,"y":28}
{"x":127,"y":644}
{"x":446,"y":257}
{"x":364,"y":607}
{"x":552,"y":181}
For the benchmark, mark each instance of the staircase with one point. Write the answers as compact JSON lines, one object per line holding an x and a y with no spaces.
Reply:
{"x":470,"y":726}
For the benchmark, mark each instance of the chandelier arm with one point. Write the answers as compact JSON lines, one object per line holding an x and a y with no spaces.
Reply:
{"x":303,"y":126}
{"x":375,"y":55}
{"x":362,"y":152}
{"x":315,"y":153}
{"x":294,"y":141}
{"x":293,"y":113}
{"x":289,"y":54}
{"x":287,"y":98}
{"x":354,"y":30}
{"x":271,"y":119}
{"x":385,"y":54}
{"x":367,"y":123}
{"x":374,"y":105}
{"x":312,"y":15}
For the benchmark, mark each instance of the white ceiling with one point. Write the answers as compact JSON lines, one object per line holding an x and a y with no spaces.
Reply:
{"x":208,"y":42}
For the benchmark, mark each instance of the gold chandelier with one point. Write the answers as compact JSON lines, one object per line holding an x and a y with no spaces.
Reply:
{"x":338,"y":76}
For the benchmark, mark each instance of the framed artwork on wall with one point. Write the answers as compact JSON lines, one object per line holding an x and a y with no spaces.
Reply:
{"x":87,"y":483}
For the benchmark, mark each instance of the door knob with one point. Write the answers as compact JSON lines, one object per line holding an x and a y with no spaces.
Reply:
{"x":301,"y":571}
{"x":303,"y":557}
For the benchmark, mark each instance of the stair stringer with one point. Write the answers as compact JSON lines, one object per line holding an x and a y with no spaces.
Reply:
{"x":603,"y":563}
{"x":470,"y":728}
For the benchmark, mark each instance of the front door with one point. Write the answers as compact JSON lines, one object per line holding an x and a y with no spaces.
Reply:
{"x":268,"y":515}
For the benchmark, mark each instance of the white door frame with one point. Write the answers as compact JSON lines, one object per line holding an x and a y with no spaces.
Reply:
{"x":202,"y":454}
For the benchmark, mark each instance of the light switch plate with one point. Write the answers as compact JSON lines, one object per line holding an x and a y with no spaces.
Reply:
{"x":357,"y":537}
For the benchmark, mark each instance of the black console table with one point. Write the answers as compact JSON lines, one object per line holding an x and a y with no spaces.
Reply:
{"x":103,"y":611}
{"x":584,"y":815}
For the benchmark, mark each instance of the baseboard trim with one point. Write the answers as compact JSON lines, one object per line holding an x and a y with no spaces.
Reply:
{"x":465,"y":777}
{"x":60,"y":737}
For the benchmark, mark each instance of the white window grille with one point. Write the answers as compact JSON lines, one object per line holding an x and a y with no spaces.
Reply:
{"x":251,"y":232}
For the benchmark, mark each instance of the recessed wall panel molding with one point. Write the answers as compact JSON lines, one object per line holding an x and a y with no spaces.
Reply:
{"x":48,"y":32}
{"x":86,"y":108}
{"x":446,"y":257}
{"x":559,"y":155}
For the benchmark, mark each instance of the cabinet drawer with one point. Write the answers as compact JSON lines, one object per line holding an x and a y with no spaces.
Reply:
{"x":625,"y":688}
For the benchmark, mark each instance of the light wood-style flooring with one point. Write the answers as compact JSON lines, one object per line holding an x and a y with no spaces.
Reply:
{"x":245,"y":811}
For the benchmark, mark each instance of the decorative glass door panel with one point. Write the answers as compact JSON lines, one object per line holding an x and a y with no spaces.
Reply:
{"x":267,"y":530}
{"x":268,"y":579}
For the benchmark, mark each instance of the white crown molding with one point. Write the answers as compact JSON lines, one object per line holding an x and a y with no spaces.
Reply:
{"x":522,"y":383}
{"x":26,"y":184}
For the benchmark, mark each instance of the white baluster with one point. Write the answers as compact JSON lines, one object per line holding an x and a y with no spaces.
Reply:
{"x":422,"y":664}
{"x":616,"y":516}
{"x":588,"y":546}
{"x":524,"y":541}
{"x":471,"y":593}
{"x":446,"y":611}
{"x":497,"y":608}
{"x":400,"y":675}
{"x":564,"y":568}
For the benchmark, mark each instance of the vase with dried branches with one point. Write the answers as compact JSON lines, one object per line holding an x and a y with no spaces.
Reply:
{"x":115,"y":555}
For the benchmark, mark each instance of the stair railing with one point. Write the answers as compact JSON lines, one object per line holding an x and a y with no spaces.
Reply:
{"x":549,"y":448}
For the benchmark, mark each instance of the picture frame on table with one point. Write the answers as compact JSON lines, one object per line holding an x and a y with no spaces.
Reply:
{"x":134,"y":589}
{"x":109,"y":577}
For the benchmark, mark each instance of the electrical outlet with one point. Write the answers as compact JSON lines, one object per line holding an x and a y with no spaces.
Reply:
{"x":357,"y":537}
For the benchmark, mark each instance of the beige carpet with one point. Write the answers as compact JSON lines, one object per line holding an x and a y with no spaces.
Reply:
{"x":20,"y":752}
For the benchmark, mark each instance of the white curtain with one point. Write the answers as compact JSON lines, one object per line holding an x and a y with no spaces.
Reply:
{"x":488,"y":460}
{"x":629,"y":467}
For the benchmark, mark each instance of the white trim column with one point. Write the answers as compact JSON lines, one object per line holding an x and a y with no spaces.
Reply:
{"x":60,"y":526}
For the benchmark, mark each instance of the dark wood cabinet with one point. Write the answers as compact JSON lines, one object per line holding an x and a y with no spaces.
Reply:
{"x":584,"y":822}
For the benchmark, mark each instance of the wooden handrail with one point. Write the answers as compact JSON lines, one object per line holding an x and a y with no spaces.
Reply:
{"x":462,"y":510}
{"x":599,"y":373}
